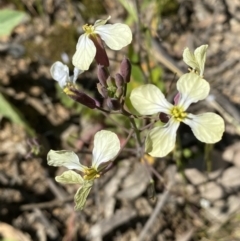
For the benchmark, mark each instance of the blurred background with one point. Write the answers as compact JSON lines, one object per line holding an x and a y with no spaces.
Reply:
{"x":195,"y":194}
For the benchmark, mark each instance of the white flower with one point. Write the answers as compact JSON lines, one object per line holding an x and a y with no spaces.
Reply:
{"x":116,"y":36}
{"x":60,"y":73}
{"x":106,"y":147}
{"x":148,"y":100}
{"x":197,"y":59}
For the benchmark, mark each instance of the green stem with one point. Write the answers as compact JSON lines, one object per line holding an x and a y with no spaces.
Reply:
{"x":207,"y":156}
{"x":177,"y":155}
{"x":132,"y":121}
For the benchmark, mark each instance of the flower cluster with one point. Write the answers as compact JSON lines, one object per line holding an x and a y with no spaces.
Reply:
{"x":113,"y":89}
{"x":146,"y":99}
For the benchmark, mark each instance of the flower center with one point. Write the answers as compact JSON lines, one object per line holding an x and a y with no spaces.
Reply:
{"x":91,"y":174}
{"x":88,"y":29}
{"x":68,"y":89}
{"x":178,"y":113}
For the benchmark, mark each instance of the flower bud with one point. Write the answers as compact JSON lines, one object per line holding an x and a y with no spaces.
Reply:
{"x":125,"y":69}
{"x":81,"y":97}
{"x":110,"y":82}
{"x":119,"y":80}
{"x":164,"y":118}
{"x":113,"y":104}
{"x":119,"y":92}
{"x":102,"y":74}
{"x":102,"y":90}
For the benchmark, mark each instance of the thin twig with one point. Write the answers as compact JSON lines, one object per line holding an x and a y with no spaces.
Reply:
{"x":50,"y":204}
{"x":148,"y":125}
{"x":161,"y":202}
{"x":132,"y":121}
{"x":115,"y":122}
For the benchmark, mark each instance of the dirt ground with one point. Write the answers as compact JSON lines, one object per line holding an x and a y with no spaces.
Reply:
{"x":196,"y":200}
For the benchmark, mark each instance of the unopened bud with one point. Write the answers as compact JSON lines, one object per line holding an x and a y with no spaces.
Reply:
{"x":125,"y":69}
{"x":119,"y":92}
{"x":81,"y":98}
{"x":110,"y":82}
{"x":164,"y":117}
{"x":113,"y":104}
{"x":102,"y":90}
{"x":119,"y":80}
{"x":102,"y":74}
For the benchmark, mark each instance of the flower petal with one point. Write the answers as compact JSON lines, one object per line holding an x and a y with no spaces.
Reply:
{"x":82,"y":194}
{"x":189,"y":59}
{"x":148,"y":100}
{"x":207,"y":127}
{"x":76,"y":73}
{"x":200,"y":56}
{"x":116,"y":36}
{"x":106,"y":147}
{"x":85,"y":53}
{"x":192,"y":89}
{"x":161,"y":140}
{"x":101,"y":22}
{"x":64,"y":158}
{"x":197,"y":59}
{"x":69,"y":177}
{"x":60,"y":73}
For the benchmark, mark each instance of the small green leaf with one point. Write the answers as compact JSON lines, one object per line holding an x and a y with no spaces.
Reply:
{"x":82,"y":194}
{"x":9,"y":19}
{"x":11,"y":112}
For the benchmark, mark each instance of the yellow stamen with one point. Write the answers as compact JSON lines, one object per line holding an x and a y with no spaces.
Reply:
{"x":88,"y":29}
{"x":91,"y":174}
{"x":67,"y":89}
{"x":178,"y":113}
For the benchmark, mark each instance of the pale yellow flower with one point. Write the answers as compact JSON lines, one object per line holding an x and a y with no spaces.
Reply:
{"x":197,"y":59}
{"x":148,"y":100}
{"x":106,"y":147}
{"x":115,"y":36}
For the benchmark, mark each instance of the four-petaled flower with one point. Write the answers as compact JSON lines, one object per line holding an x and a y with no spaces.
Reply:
{"x":116,"y":36}
{"x":60,"y":73}
{"x":106,"y":147}
{"x":197,"y":59}
{"x":148,"y":100}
